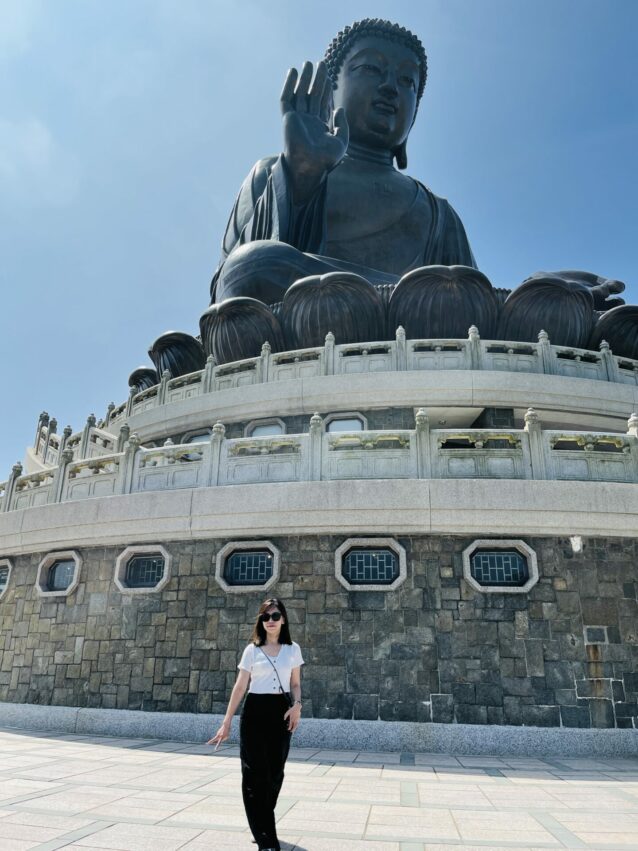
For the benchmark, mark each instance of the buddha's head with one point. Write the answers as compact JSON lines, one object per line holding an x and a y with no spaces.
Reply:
{"x":378,"y":71}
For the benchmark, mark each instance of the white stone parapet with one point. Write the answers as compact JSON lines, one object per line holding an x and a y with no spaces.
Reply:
{"x":388,"y":356}
{"x":399,"y":355}
{"x":318,"y":455}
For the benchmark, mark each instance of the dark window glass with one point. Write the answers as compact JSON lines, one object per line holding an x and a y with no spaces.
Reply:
{"x":4,"y":578}
{"x":363,"y":566}
{"x":248,"y":567}
{"x":60,"y":575}
{"x":499,"y":567}
{"x":144,"y":571}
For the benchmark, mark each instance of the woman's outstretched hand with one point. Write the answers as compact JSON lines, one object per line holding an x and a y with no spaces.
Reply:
{"x":221,"y":735}
{"x":293,"y":717}
{"x":312,"y":146}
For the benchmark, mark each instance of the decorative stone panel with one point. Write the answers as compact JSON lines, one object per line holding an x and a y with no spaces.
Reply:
{"x":122,"y":561}
{"x":41,"y":583}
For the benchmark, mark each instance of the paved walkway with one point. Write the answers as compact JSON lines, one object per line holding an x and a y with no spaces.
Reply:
{"x":88,"y":792}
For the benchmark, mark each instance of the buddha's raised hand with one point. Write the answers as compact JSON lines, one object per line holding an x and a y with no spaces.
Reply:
{"x":312,"y":147}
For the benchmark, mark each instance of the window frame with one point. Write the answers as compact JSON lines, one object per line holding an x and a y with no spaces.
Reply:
{"x":42,"y":578}
{"x":233,"y":546}
{"x":253,"y":424}
{"x":121,"y":565}
{"x":345,"y":415}
{"x":500,"y":544}
{"x":6,"y":563}
{"x":376,"y":544}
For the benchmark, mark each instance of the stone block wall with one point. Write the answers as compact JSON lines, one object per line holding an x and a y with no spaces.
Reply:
{"x":434,"y":649}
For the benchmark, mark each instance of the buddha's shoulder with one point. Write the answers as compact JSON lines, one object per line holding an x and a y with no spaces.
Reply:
{"x":264,"y":165}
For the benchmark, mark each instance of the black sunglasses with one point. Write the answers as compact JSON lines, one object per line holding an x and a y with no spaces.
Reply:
{"x":276,"y":616}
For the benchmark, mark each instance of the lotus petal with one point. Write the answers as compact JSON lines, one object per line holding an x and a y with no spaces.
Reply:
{"x":619,"y":327}
{"x":436,"y":302}
{"x":178,"y":353}
{"x":237,"y":328}
{"x":341,"y":302}
{"x":142,"y":378}
{"x":561,"y":307}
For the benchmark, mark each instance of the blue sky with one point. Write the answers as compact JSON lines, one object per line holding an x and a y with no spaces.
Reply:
{"x":127,"y":128}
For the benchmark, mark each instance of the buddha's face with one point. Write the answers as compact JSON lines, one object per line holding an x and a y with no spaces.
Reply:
{"x":377,"y":86}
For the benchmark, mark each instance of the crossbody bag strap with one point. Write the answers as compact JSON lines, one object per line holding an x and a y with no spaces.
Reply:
{"x":272,"y":665}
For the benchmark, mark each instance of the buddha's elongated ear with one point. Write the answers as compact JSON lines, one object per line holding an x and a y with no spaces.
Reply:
{"x":401,"y":155}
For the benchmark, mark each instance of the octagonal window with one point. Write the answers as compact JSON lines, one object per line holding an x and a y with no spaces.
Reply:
{"x":500,"y":566}
{"x":5,"y":573}
{"x":142,"y":569}
{"x":247,"y":565}
{"x":365,"y":564}
{"x":58,"y":574}
{"x":145,"y":571}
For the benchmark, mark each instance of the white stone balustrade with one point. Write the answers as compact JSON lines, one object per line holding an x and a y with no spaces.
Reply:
{"x":387,"y":356}
{"x":422,"y":452}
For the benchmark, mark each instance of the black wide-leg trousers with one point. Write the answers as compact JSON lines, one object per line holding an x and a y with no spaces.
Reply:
{"x":264,"y":746}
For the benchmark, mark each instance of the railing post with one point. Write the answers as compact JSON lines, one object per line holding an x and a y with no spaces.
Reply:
{"x":209,"y":372}
{"x":16,"y":472}
{"x":316,"y":444}
{"x":423,"y":458}
{"x":109,"y":411}
{"x":86,"y":436}
{"x":163,"y":387}
{"x":66,"y":434}
{"x":632,"y":432}
{"x":132,"y":393}
{"x":217,"y":440}
{"x":128,"y":463}
{"x":59,"y":478}
{"x":52,"y":429}
{"x":264,"y":362}
{"x":329,"y":354}
{"x":123,"y":437}
{"x":43,"y":420}
{"x":545,"y":350}
{"x":402,"y":349}
{"x":611,"y":367}
{"x":474,"y":346}
{"x":536,"y":444}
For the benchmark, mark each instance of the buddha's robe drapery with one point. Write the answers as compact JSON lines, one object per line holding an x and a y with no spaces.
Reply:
{"x":264,"y":211}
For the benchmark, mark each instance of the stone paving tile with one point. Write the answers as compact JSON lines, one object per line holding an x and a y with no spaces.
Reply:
{"x":136,"y":837}
{"x":132,"y":795}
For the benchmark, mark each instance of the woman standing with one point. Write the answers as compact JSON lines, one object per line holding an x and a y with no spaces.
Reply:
{"x":271,"y":665}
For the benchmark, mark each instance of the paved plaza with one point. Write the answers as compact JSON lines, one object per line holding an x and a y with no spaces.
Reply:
{"x":89,"y":792}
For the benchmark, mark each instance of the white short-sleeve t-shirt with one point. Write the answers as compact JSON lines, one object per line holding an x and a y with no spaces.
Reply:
{"x":263,"y":679}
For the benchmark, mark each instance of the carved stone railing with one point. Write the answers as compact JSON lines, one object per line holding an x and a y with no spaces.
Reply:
{"x":92,"y":442}
{"x":385,"y":356}
{"x":419,"y":453}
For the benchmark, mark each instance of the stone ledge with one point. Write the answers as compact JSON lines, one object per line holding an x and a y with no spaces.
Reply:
{"x":578,"y":402}
{"x":481,"y":507}
{"x":331,"y":734}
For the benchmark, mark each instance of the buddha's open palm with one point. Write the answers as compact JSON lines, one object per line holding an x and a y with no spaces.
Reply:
{"x":312,"y":146}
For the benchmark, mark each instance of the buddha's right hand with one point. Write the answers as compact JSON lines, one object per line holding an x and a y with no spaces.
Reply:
{"x":312,"y":147}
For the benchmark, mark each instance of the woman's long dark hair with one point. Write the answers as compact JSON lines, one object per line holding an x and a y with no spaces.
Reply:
{"x":259,"y":632}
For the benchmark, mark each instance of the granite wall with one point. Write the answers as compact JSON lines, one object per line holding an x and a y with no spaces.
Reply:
{"x":565,"y":654}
